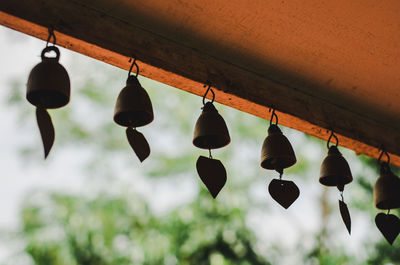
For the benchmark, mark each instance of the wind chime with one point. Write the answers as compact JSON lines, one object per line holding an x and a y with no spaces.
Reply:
{"x":48,"y":87}
{"x":335,"y":171}
{"x":277,"y":154}
{"x":387,"y":197}
{"x":133,"y":109}
{"x":210,"y":132}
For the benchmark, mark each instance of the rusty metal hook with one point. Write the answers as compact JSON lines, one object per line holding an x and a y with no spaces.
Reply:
{"x":208,"y":85}
{"x":330,"y":137}
{"x":387,"y":155}
{"x":272,"y":116}
{"x":51,"y":34}
{"x":133,"y":63}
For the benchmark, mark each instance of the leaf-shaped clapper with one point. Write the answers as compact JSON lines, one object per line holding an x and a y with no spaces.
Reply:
{"x":46,"y":129}
{"x":138,"y":143}
{"x":284,"y":192}
{"x":389,"y":225}
{"x":344,"y":212}
{"x":213,"y":174}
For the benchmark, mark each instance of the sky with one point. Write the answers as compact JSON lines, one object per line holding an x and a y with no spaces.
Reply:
{"x":21,"y":52}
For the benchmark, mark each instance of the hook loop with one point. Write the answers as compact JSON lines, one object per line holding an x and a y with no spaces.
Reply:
{"x":51,"y":34}
{"x":133,"y":64}
{"x":386,"y":154}
{"x":208,"y":85}
{"x":330,"y":137}
{"x":272,"y":116}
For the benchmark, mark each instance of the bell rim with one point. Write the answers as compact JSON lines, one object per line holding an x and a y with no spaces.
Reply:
{"x":225,"y":140}
{"x":120,"y":120}
{"x":62,"y":101}
{"x":264,"y":160}
{"x":384,"y":205}
{"x":349,"y":179}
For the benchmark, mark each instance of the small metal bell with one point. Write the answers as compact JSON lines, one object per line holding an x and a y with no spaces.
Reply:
{"x":133,"y":107}
{"x":210,"y":131}
{"x":387,"y":189}
{"x":48,"y":83}
{"x":277,"y":152}
{"x":335,"y":170}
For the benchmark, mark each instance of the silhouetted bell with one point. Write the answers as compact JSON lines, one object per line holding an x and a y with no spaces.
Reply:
{"x":133,"y":107}
{"x":210,"y":131}
{"x":277,"y":152}
{"x":335,"y":170}
{"x":48,"y":83}
{"x":387,"y":189}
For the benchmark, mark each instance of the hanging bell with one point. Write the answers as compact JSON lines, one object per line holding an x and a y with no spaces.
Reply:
{"x":133,"y":107}
{"x":277,"y":152}
{"x":48,"y":83}
{"x":210,"y":131}
{"x":335,"y":170}
{"x":387,"y":189}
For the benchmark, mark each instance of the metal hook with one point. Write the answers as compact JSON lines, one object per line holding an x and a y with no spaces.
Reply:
{"x":272,"y":116}
{"x":208,"y":89}
{"x":387,"y":155}
{"x":341,"y":195}
{"x":51,"y":34}
{"x":329,"y":139}
{"x":133,"y":63}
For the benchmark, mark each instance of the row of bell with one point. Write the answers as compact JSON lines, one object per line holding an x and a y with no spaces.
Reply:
{"x":49,"y":87}
{"x":277,"y":152}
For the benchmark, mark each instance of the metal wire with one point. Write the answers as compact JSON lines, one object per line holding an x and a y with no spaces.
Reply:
{"x":272,"y":116}
{"x":387,"y":155}
{"x":51,"y":34}
{"x":208,"y":85}
{"x":330,"y":137}
{"x":133,"y":64}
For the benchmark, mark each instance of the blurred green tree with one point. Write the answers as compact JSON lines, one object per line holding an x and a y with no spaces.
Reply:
{"x":122,"y":230}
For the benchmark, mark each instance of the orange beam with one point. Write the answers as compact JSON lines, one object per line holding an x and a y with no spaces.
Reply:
{"x":241,"y":90}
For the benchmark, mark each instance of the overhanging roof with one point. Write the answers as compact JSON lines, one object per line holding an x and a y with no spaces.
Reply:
{"x":322,"y":64}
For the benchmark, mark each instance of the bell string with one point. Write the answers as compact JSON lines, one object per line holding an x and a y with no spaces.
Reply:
{"x":209,"y":153}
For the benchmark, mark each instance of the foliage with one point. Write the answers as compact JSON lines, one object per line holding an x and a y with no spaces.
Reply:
{"x":122,"y":230}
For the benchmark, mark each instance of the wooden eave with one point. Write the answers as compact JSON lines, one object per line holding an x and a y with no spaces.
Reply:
{"x":322,"y":64}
